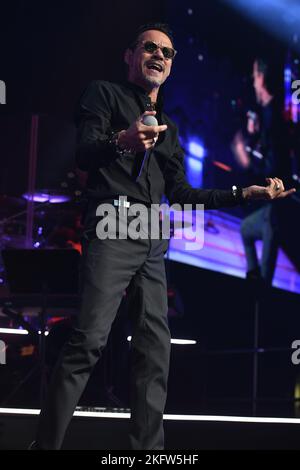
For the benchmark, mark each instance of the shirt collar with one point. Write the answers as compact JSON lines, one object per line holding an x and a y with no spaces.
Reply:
{"x":141,"y":92}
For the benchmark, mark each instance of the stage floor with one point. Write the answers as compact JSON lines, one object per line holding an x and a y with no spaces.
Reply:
{"x":101,"y":429}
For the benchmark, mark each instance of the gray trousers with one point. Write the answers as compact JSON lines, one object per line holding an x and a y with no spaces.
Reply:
{"x":261,"y":225}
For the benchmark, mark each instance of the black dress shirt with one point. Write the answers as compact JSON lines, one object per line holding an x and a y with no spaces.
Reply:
{"x":106,"y":108}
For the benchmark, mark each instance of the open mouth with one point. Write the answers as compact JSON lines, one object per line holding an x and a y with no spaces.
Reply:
{"x":155,"y":66}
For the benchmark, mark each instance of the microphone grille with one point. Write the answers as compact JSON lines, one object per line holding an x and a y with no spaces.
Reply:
{"x":149,"y":120}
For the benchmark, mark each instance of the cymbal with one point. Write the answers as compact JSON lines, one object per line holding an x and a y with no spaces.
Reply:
{"x":54,"y":196}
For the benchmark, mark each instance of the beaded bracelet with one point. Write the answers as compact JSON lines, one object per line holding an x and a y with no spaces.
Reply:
{"x":113,"y":140}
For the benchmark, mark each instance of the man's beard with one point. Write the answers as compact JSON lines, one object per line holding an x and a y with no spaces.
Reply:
{"x":153,"y":82}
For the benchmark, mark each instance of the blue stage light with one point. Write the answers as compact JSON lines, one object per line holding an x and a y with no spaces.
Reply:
{"x":281,"y":17}
{"x":196,"y":150}
{"x":194,"y":164}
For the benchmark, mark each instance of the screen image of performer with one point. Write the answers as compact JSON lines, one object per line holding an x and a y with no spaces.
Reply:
{"x":266,"y":155}
{"x":112,"y":141}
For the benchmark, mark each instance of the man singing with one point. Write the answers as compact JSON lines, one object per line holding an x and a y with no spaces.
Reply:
{"x":112,"y":140}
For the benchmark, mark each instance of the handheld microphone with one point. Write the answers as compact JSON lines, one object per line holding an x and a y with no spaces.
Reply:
{"x":148,"y":120}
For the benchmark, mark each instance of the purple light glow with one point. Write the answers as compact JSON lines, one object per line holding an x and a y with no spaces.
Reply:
{"x":47,"y":197}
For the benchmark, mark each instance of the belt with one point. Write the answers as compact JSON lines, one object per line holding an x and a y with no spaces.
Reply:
{"x":124,"y":202}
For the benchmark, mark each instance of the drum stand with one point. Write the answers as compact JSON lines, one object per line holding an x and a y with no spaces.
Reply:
{"x":40,"y":273}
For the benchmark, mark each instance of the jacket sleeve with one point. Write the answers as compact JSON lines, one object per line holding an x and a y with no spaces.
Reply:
{"x":93,"y":122}
{"x":178,"y":190}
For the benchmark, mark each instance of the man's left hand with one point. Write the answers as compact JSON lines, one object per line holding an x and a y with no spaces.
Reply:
{"x":274,"y":190}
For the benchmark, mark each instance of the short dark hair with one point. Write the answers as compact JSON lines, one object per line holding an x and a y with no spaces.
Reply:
{"x":273,"y":73}
{"x":163,"y":27}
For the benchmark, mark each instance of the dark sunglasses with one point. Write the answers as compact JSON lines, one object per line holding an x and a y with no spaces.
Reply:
{"x":168,"y":52}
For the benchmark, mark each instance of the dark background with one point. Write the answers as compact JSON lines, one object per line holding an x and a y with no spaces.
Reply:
{"x":51,"y":50}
